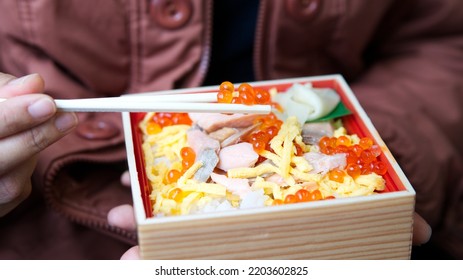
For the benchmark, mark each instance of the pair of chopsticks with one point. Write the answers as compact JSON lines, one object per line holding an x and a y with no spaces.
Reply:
{"x":187,"y":103}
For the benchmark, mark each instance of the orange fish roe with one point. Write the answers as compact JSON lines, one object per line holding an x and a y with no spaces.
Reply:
{"x":224,"y":96}
{"x":362,"y":158}
{"x":188,"y":156}
{"x":160,"y":120}
{"x":153,"y":128}
{"x":277,"y":202}
{"x":290,"y":198}
{"x":176,"y":194}
{"x":246,"y":94}
{"x":172,"y":176}
{"x":268,"y":128}
{"x":336,"y":175}
{"x":227,"y":86}
{"x":301,"y":195}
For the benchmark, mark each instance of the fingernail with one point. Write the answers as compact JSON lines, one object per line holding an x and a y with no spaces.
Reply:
{"x":22,"y":80}
{"x":66,"y":121}
{"x":41,"y":108}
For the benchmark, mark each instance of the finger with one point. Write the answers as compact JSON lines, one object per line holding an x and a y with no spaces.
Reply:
{"x":125,"y":179}
{"x":132,"y":254}
{"x":421,"y":230}
{"x":9,"y":86}
{"x":15,"y":187}
{"x":122,"y":216}
{"x":23,"y":145}
{"x":6,"y":78}
{"x":24,"y":112}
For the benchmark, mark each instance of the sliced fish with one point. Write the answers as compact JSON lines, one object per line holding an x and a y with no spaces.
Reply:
{"x":209,"y":159}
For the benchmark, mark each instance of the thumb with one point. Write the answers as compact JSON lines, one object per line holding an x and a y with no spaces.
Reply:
{"x":421,"y":230}
{"x":132,"y":254}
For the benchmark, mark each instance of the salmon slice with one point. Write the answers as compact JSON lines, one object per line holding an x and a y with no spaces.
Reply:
{"x":212,"y":121}
{"x":200,"y":141}
{"x":313,"y":132}
{"x":236,"y":186}
{"x":238,"y":155}
{"x":223,"y":133}
{"x":322,"y":163}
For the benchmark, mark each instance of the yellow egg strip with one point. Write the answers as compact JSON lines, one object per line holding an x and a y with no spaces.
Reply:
{"x":168,"y":206}
{"x":304,"y":176}
{"x":291,"y":190}
{"x":286,"y":154}
{"x":182,"y":181}
{"x":276,"y":159}
{"x":298,"y":140}
{"x":188,"y":202}
{"x":149,"y":157}
{"x":251,"y":172}
{"x":362,"y":185}
{"x":157,"y":202}
{"x":371,"y":180}
{"x":207,"y":188}
{"x":269,"y":188}
{"x":144,"y":123}
{"x":301,"y":164}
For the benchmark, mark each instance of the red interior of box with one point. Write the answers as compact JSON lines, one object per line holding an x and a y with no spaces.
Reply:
{"x":353,"y":123}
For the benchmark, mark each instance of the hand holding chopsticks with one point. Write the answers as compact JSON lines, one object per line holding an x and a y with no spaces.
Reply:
{"x":188,"y":103}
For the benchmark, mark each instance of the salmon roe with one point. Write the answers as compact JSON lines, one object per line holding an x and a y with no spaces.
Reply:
{"x":277,"y":202}
{"x":188,"y":156}
{"x":290,"y":198}
{"x":336,"y":175}
{"x":161,"y":120}
{"x":153,"y":128}
{"x":176,"y":194}
{"x":268,"y":127}
{"x":362,"y":158}
{"x":172,"y":176}
{"x":227,"y":86}
{"x":246,"y":94}
{"x":302,"y":195}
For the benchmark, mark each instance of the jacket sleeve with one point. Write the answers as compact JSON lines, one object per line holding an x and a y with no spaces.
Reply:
{"x":413,"y":92}
{"x":79,"y":175}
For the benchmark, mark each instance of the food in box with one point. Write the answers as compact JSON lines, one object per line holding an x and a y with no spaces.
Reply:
{"x":192,"y":169}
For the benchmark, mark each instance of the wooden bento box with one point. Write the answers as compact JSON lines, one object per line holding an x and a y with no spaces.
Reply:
{"x":377,"y":226}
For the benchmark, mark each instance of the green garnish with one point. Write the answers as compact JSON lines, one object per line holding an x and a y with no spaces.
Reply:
{"x":339,"y":111}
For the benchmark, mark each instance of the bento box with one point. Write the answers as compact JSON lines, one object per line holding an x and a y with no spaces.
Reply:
{"x":375,"y":226}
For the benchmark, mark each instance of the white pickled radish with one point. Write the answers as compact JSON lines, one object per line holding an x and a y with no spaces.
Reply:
{"x":307,"y":103}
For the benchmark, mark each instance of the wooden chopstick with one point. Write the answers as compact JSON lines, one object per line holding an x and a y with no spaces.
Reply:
{"x":188,"y":103}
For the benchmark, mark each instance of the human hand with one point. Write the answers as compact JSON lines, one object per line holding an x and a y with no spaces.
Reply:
{"x":29,"y":124}
{"x":123,"y":216}
{"x":421,"y":230}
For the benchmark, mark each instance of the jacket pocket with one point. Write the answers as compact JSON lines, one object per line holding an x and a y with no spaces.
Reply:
{"x":87,"y":41}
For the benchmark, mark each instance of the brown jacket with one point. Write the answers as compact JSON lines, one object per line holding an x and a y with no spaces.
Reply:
{"x":403,"y":59}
